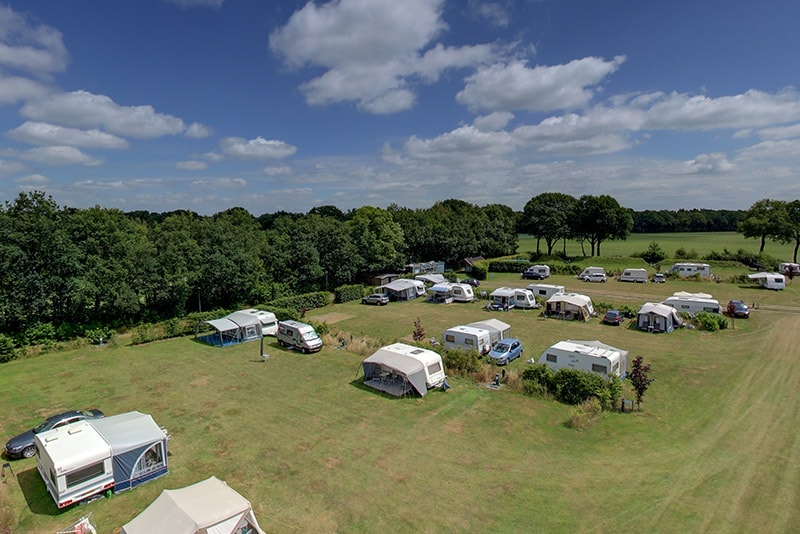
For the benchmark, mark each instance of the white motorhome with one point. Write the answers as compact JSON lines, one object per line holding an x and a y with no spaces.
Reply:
{"x":690,"y":269}
{"x":588,"y":271}
{"x":692,"y":303}
{"x":634,"y":275}
{"x":792,"y":269}
{"x":545,"y":291}
{"x":298,"y":335}
{"x":467,"y":337}
{"x":497,"y":329}
{"x":774,"y":281}
{"x":589,"y":356}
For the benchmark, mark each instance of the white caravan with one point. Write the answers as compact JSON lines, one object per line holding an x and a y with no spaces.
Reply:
{"x":463,"y":293}
{"x":789,"y":268}
{"x":537,"y":272}
{"x":467,"y":337}
{"x":545,"y":291}
{"x":497,"y":329}
{"x":769,"y":280}
{"x":588,"y":271}
{"x":692,"y":303}
{"x":298,"y":335}
{"x":589,"y":356}
{"x":690,"y":269}
{"x":634,"y":275}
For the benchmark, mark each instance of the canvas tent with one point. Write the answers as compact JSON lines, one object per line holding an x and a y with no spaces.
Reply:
{"x":207,"y":507}
{"x":497,"y":329}
{"x":569,"y":306}
{"x":404,"y":289}
{"x":431,"y":278}
{"x":241,"y":326}
{"x":655,"y":317}
{"x":401,"y":369}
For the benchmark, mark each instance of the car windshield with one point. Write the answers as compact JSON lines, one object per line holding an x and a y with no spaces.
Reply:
{"x":310,"y":336}
{"x":43,"y":427}
{"x":501,"y":347}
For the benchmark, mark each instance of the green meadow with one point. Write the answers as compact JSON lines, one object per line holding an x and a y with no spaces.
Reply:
{"x":715,"y":447}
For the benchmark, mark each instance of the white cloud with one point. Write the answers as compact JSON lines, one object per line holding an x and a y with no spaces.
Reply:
{"x":372,"y":50}
{"x":86,"y":110}
{"x":24,"y":46}
{"x":278,"y":170}
{"x":515,"y":86}
{"x":198,"y":131}
{"x":780,"y":132}
{"x":493,"y":121}
{"x":493,"y":12}
{"x":13,"y":89}
{"x":59,"y":155}
{"x":709,"y":164}
{"x":191,"y":165}
{"x":258,"y":148}
{"x":41,"y":133}
{"x":10,"y":167}
{"x":220,"y":183}
{"x":32,"y":180}
{"x":771,"y":150}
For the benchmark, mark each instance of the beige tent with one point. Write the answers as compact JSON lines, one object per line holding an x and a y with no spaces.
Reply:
{"x":208,"y":507}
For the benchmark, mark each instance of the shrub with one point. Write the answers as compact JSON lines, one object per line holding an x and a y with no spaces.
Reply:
{"x":710,"y":321}
{"x":39,"y":334}
{"x":8,"y":350}
{"x":682,"y":254}
{"x":307,"y":301}
{"x":538,"y":379}
{"x":349,"y":293}
{"x":94,"y":335}
{"x":479,"y":270}
{"x":461,"y":361}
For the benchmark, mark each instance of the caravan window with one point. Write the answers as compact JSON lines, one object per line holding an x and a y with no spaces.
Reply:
{"x":434,"y":368}
{"x":596,"y":368}
{"x":450,"y":338}
{"x":87,"y":473}
{"x":552,"y":358}
{"x":468,"y":341}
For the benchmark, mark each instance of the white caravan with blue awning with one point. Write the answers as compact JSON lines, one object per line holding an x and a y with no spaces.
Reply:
{"x":83,"y":459}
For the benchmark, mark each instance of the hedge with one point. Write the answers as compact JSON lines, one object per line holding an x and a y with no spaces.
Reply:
{"x":350,"y":292}
{"x":307,"y":301}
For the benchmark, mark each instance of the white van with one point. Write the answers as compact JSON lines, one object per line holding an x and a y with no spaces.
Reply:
{"x":298,"y":335}
{"x":589,"y":271}
{"x":634,"y":275}
{"x":690,"y":269}
{"x":467,"y":337}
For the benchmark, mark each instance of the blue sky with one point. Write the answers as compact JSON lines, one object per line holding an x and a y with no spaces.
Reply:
{"x":284,"y":105}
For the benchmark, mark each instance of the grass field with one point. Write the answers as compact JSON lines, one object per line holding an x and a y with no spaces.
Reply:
{"x":714,"y":449}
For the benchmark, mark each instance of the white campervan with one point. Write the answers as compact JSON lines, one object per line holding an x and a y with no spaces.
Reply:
{"x":298,"y":335}
{"x":544,"y":291}
{"x":788,"y":269}
{"x":589,"y":271}
{"x":589,"y":356}
{"x":467,"y":337}
{"x":690,"y":269}
{"x":634,"y":275}
{"x":692,"y":303}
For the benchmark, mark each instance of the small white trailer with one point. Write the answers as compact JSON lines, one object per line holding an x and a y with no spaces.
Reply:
{"x":634,"y":275}
{"x":467,"y":338}
{"x":693,"y":303}
{"x":774,"y":281}
{"x":588,"y":271}
{"x":463,"y":293}
{"x":691,"y":269}
{"x":544,"y":291}
{"x":513,"y":297}
{"x":589,"y":356}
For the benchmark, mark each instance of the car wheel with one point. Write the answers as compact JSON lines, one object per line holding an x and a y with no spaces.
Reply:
{"x":304,"y":350}
{"x":29,"y":452}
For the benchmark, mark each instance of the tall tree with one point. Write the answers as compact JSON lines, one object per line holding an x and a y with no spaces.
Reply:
{"x":599,"y":219}
{"x":547,"y":216}
{"x":767,"y":218}
{"x":791,"y":229}
{"x":378,"y":239}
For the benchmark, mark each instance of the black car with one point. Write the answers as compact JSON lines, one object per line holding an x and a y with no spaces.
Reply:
{"x":22,"y":446}
{"x":737,"y":308}
{"x":613,"y":317}
{"x":474,"y":282}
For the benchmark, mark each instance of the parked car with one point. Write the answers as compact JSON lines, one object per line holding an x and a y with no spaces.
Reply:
{"x":474,"y":282}
{"x":659,"y":278}
{"x":533,"y":274}
{"x":613,"y":317}
{"x":505,"y":351}
{"x":381,"y":299}
{"x":595,"y":277}
{"x":22,"y":446}
{"x":737,"y":308}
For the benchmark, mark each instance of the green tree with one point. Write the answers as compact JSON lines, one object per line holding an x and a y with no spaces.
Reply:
{"x":547,"y":216}
{"x":639,"y":378}
{"x":654,"y":253}
{"x":766,"y":218}
{"x":378,"y":239}
{"x":599,"y":219}
{"x":791,"y":229}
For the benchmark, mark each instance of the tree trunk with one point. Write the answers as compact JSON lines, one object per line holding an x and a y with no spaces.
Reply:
{"x":796,"y":246}
{"x":763,"y":242}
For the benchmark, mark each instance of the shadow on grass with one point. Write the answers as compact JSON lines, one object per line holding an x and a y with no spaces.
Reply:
{"x":35,"y":493}
{"x":358,"y":383}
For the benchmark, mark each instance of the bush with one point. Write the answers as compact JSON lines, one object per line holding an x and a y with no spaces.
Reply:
{"x":479,"y":270}
{"x":537,"y":379}
{"x":682,"y":254}
{"x":571,"y":386}
{"x":39,"y":334}
{"x":8,"y":350}
{"x":94,"y":335}
{"x":349,"y":293}
{"x":306,"y":301}
{"x":710,"y":322}
{"x":508,"y":266}
{"x":461,"y":361}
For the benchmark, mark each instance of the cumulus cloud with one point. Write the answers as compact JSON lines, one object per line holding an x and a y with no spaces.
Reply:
{"x":258,"y":148}
{"x":780,"y":132}
{"x":515,"y":86}
{"x":220,"y":183}
{"x":771,"y":150}
{"x":493,"y":121}
{"x":191,"y":165}
{"x":709,"y":164}
{"x":42,"y":133}
{"x":59,"y":155}
{"x":83,"y":109}
{"x":372,"y":50}
{"x":10,"y":167}
{"x":198,"y":131}
{"x":32,"y":180}
{"x":275,"y":170}
{"x":13,"y":89}
{"x":25,"y":46}
{"x":493,"y":12}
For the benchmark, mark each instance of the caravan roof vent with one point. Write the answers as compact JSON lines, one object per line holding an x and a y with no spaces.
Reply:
{"x":74,"y":430}
{"x":48,"y":439}
{"x":417,"y":351}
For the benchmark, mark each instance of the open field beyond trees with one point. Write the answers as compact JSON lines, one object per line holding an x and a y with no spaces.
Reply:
{"x":715,"y":447}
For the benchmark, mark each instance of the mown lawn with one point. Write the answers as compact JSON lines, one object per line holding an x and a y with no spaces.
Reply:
{"x":715,"y":447}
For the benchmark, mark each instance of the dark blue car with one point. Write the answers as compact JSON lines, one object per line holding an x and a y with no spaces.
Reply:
{"x":22,"y":446}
